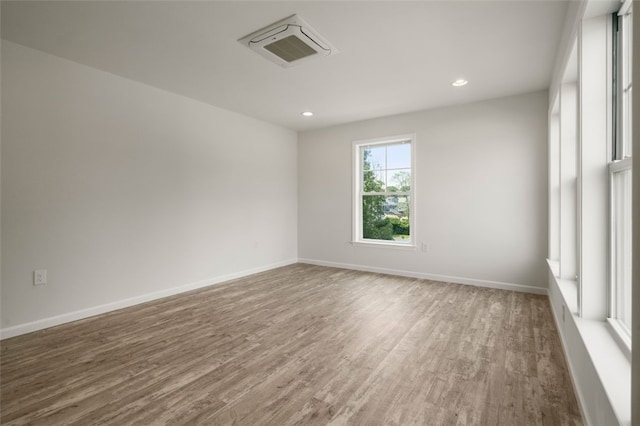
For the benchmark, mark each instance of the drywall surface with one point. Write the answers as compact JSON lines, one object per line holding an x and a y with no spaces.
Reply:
{"x":481,"y":192}
{"x":121,"y":190}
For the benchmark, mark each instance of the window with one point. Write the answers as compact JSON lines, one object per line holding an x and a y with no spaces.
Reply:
{"x":620,"y":179}
{"x":384,"y":191}
{"x":623,"y":82}
{"x":621,"y":243}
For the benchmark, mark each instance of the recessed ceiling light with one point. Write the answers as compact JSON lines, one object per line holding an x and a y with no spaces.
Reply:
{"x":459,"y":82}
{"x":307,"y":113}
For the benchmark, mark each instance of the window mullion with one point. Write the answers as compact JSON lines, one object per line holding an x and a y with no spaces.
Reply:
{"x":377,"y":211}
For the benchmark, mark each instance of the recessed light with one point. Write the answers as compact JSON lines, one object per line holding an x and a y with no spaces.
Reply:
{"x":459,"y":82}
{"x":307,"y":113}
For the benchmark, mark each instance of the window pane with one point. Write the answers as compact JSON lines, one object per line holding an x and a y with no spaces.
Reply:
{"x":373,"y":181}
{"x":399,"y":180}
{"x":384,"y":191}
{"x":627,"y":29}
{"x":399,"y":156}
{"x":373,"y":158}
{"x":623,"y":81}
{"x":621,"y":247}
{"x":374,"y":223}
{"x":627,"y":126}
{"x":385,"y":218}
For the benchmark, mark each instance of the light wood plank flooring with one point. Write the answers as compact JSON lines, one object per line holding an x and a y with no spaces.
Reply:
{"x":299,"y":345}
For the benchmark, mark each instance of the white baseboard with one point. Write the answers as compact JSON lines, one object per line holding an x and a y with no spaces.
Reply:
{"x":433,"y":277}
{"x":41,"y":324}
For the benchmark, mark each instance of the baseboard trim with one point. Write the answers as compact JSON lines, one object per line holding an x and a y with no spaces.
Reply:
{"x":41,"y":324}
{"x":435,"y":277}
{"x":44,"y":323}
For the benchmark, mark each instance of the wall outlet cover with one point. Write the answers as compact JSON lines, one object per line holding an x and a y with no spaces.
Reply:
{"x":39,"y":277}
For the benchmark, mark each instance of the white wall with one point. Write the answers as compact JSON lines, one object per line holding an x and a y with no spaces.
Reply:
{"x":481,"y":192}
{"x":121,"y":190}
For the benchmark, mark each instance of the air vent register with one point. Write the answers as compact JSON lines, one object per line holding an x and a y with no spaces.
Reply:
{"x":288,"y":42}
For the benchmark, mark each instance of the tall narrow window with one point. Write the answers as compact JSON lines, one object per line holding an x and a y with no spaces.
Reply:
{"x":621,"y":244}
{"x":620,"y":173}
{"x":384,"y":189}
{"x":624,"y":83}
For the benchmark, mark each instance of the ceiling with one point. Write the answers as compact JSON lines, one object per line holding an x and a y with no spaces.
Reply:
{"x":395,"y":57}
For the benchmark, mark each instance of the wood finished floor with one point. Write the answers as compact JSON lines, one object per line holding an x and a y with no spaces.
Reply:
{"x":299,"y":345}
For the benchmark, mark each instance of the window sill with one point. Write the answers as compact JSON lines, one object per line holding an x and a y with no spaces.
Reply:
{"x":621,"y":337}
{"x":606,"y":350}
{"x":554,"y":267}
{"x":611,"y":363}
{"x":396,"y":246}
{"x":568,"y":288}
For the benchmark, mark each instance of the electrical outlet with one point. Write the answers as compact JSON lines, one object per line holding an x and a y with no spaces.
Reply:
{"x":425,"y":247}
{"x":39,"y":277}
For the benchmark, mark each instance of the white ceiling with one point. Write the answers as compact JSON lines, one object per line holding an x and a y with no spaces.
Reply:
{"x":394,"y":56}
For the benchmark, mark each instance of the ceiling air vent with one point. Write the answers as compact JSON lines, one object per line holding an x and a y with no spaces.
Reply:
{"x":288,"y":42}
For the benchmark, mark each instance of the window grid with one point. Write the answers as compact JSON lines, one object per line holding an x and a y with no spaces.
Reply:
{"x":384,"y":209}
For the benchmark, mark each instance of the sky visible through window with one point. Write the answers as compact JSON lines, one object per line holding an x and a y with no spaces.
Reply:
{"x":398,"y":156}
{"x":391,"y":165}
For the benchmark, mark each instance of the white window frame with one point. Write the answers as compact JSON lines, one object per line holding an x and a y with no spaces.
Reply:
{"x":615,"y":270}
{"x":620,"y":163}
{"x":357,"y":237}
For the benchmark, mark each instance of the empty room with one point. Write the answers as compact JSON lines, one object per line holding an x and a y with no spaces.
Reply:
{"x":319,"y":212}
